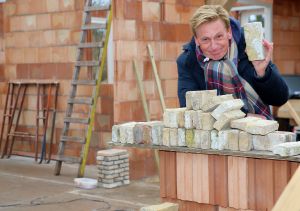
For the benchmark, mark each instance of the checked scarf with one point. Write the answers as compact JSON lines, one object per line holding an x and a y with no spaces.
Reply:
{"x":223,"y":76}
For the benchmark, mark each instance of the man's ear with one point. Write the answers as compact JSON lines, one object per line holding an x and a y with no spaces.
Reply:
{"x":196,"y":41}
{"x":229,"y":33}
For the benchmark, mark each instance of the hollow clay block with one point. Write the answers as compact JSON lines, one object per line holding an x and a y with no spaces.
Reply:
{"x":226,"y":106}
{"x":213,"y":103}
{"x":196,"y":99}
{"x":203,"y":120}
{"x":188,"y":119}
{"x":115,"y":133}
{"x":173,"y":136}
{"x":189,"y":138}
{"x":214,"y":139}
{"x":174,"y":117}
{"x":262,"y":127}
{"x":126,"y":132}
{"x":287,"y":149}
{"x":253,"y":37}
{"x":166,"y":136}
{"x":242,"y":123}
{"x":181,"y":137}
{"x":226,"y":118}
{"x":245,"y":141}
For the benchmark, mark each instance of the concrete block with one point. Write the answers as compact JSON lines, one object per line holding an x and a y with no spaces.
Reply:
{"x":203,"y":120}
{"x":253,"y":37}
{"x":196,"y":99}
{"x":287,"y":149}
{"x":115,"y":133}
{"x":189,"y":138}
{"x":241,"y":124}
{"x":166,"y":136}
{"x":173,"y":137}
{"x":262,"y":127}
{"x":181,"y":137}
{"x":224,"y":121}
{"x":188,"y":119}
{"x":227,"y":106}
{"x":167,"y":206}
{"x":126,"y":132}
{"x":214,"y":136}
{"x":261,"y":143}
{"x":213,"y":103}
{"x":229,"y":139}
{"x":245,"y":141}
{"x":174,"y":117}
{"x":279,"y":137}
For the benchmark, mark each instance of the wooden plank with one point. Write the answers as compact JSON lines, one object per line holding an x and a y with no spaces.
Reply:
{"x":162,"y":173}
{"x":180,"y":175}
{"x":294,"y":167}
{"x":171,"y":178}
{"x":289,"y":200}
{"x":283,"y":111}
{"x":233,"y":183}
{"x":281,"y":177}
{"x":243,"y":182}
{"x":264,"y":184}
{"x":188,"y":176}
{"x":200,"y":178}
{"x":251,"y":184}
{"x":221,"y":180}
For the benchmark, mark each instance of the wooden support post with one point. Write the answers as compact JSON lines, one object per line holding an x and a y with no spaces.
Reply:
{"x":293,"y":113}
{"x":157,"y":80}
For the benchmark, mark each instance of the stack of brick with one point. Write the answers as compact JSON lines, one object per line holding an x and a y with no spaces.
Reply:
{"x":138,"y":133}
{"x":113,"y":168}
{"x":208,"y":121}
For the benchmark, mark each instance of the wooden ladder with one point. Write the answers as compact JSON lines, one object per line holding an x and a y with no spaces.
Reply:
{"x":82,"y":80}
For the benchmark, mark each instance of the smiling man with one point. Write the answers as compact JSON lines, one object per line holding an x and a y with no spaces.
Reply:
{"x":215,"y":58}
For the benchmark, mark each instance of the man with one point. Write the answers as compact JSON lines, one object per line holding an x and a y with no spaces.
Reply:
{"x":215,"y":58}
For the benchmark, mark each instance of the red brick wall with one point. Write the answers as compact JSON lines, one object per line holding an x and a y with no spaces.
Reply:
{"x":286,"y":36}
{"x":2,"y":55}
{"x":40,"y":43}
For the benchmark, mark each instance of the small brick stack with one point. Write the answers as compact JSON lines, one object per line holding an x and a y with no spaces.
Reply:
{"x":113,"y":166}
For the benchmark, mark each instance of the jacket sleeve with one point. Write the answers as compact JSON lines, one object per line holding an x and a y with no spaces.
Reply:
{"x":271,"y":88}
{"x":186,"y":81}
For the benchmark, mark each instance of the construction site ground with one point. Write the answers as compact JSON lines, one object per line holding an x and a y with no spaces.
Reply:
{"x":28,"y":186}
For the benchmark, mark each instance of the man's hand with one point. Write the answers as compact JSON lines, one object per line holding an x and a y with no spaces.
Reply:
{"x":261,"y":65}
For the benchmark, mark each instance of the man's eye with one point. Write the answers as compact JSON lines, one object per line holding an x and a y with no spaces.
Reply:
{"x":220,"y":36}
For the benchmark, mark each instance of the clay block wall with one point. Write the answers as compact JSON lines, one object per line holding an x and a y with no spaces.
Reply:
{"x":40,"y":43}
{"x":2,"y":55}
{"x":286,"y":33}
{"x":165,"y":25}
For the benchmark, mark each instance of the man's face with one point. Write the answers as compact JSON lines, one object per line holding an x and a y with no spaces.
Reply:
{"x":213,"y":39}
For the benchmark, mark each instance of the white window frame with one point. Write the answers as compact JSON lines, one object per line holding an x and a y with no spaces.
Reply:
{"x":266,"y":10}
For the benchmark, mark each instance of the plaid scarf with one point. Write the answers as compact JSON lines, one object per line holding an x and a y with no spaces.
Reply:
{"x":223,"y":76}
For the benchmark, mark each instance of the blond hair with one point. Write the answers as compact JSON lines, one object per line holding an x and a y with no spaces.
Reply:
{"x":209,"y":13}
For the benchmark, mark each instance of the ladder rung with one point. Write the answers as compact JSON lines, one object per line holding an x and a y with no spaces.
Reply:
{"x":91,"y":45}
{"x":69,"y":159}
{"x":73,"y":139}
{"x":88,"y":101}
{"x":94,"y":26}
{"x":76,"y":120}
{"x":87,"y":63}
{"x":84,"y":82}
{"x":97,"y":8}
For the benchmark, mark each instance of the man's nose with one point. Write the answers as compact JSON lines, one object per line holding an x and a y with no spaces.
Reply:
{"x":213,"y":44}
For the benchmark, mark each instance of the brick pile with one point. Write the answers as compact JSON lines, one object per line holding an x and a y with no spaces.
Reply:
{"x":113,"y":168}
{"x":208,"y":121}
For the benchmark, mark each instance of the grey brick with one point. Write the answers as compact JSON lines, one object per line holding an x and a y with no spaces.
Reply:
{"x":245,"y":141}
{"x":203,"y":120}
{"x":242,"y":123}
{"x":215,"y":101}
{"x":188,"y":119}
{"x":111,"y":185}
{"x":126,"y":132}
{"x":181,"y":137}
{"x":224,"y":121}
{"x":112,"y":152}
{"x":262,"y":127}
{"x":118,"y":162}
{"x":227,"y":106}
{"x":287,"y":149}
{"x":173,"y":136}
{"x":166,"y":136}
{"x":115,"y":133}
